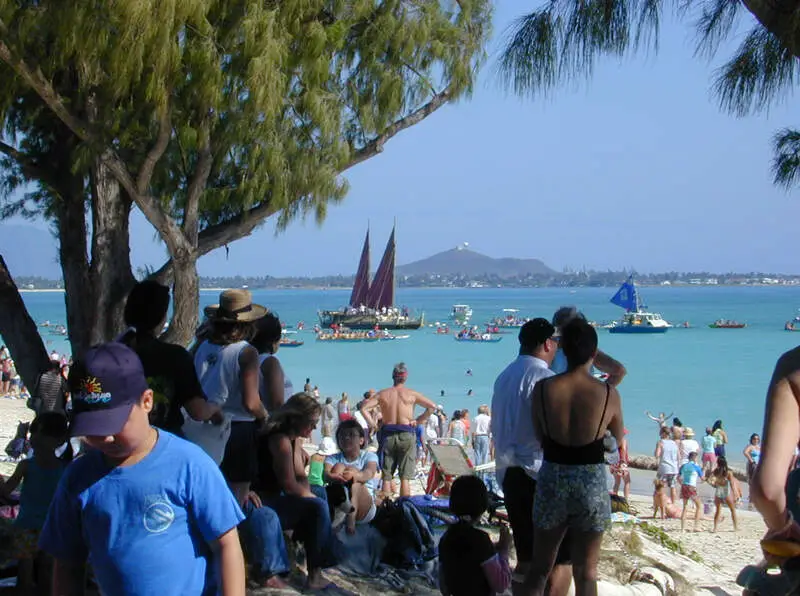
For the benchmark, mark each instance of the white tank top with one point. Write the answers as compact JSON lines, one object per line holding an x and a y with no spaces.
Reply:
{"x":219,"y":374}
{"x":288,"y":388}
{"x":668,"y":464}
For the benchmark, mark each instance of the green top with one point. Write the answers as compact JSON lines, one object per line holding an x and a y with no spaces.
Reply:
{"x":315,"y":473}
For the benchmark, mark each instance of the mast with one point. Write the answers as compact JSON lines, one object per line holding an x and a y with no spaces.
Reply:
{"x":360,"y":294}
{"x":381,"y":292}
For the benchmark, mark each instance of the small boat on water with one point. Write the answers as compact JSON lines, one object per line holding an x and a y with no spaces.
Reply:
{"x":727,"y":324}
{"x":353,"y":336}
{"x":791,"y":326}
{"x":637,"y":319}
{"x":510,"y":319}
{"x":483,"y":339}
{"x":291,"y":343}
{"x":461,"y":313}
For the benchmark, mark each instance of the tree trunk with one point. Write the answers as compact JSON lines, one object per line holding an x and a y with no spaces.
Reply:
{"x":185,"y":300}
{"x":19,"y":331}
{"x":111,"y":274}
{"x":70,"y":212}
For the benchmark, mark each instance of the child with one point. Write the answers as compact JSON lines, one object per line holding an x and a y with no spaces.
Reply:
{"x":39,"y":476}
{"x":151,"y":511}
{"x":469,"y":564}
{"x":316,"y":467}
{"x":689,"y":473}
{"x":709,"y":442}
{"x":726,"y":491}
{"x":355,"y":466}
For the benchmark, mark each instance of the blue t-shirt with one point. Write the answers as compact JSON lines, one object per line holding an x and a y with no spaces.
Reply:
{"x":360,"y":463}
{"x":145,"y":528}
{"x":38,"y":488}
{"x":559,"y":364}
{"x":690,"y":472}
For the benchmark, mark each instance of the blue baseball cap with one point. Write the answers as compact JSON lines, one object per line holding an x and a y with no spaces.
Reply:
{"x":105,"y":385}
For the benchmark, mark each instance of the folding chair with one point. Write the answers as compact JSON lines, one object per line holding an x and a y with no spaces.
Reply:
{"x":450,"y":460}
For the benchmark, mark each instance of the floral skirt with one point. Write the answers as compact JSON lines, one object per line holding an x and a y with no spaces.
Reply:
{"x":573,"y":495}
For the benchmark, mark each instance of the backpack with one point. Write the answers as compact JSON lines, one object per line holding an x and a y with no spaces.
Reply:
{"x":409,"y":540}
{"x":19,"y":445}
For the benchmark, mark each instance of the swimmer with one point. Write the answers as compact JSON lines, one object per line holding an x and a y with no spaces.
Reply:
{"x":661,"y":418}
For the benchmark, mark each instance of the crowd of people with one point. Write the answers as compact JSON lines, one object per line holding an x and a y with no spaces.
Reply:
{"x":135,"y":490}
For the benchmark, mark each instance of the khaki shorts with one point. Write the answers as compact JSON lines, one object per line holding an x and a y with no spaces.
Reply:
{"x":400,"y":450}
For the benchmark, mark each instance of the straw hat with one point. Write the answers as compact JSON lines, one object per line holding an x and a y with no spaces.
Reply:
{"x":328,"y":447}
{"x":688,"y":432}
{"x":235,"y":306}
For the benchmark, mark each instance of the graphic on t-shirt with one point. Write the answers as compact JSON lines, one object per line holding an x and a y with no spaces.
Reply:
{"x":159,"y":515}
{"x":163,"y":391}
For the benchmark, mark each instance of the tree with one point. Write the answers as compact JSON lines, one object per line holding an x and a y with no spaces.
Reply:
{"x":212,"y":115}
{"x":564,"y":39}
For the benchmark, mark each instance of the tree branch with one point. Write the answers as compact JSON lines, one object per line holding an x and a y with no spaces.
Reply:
{"x":197,"y":185}
{"x":29,"y":166}
{"x":781,"y":18}
{"x":44,"y":89}
{"x":156,"y":152}
{"x":155,"y":214}
{"x":375,"y":146}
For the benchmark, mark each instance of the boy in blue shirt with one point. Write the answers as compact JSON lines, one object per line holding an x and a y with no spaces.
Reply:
{"x":150,"y":512}
{"x":689,"y":473}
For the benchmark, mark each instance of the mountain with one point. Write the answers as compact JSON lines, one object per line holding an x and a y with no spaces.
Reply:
{"x":462,"y":261}
{"x":29,"y":251}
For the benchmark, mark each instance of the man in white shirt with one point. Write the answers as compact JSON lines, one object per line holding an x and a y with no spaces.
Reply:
{"x":518,"y":454}
{"x":480,"y":435}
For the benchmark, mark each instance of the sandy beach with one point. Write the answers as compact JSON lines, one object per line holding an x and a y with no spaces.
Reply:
{"x":696,"y":560}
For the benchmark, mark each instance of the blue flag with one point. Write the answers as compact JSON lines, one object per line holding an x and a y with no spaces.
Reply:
{"x":626,"y":296}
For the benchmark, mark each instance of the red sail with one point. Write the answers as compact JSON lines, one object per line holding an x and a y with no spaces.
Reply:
{"x":360,"y":294}
{"x":381,"y":293}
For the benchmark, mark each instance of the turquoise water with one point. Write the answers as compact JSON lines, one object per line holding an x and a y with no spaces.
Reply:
{"x":699,"y":373}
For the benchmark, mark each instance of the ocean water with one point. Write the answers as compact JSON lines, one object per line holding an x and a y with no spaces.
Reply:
{"x":700,"y":374}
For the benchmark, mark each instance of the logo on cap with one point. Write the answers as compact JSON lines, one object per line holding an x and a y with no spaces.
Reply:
{"x":91,"y":392}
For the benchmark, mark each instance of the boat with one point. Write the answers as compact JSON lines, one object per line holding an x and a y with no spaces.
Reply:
{"x":372,"y":303}
{"x":510,"y":319}
{"x":727,"y":324}
{"x":486,"y":338}
{"x":791,"y":326}
{"x":354,"y":336}
{"x":461,"y":313}
{"x":291,"y":343}
{"x":637,"y":319}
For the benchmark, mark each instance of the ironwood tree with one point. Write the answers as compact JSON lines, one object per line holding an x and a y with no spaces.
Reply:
{"x":563,"y":39}
{"x":209,"y":116}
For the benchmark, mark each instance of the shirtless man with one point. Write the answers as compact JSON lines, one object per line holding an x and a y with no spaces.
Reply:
{"x":398,"y":439}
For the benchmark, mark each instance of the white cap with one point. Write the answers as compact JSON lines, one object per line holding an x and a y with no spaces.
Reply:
{"x":328,"y":447}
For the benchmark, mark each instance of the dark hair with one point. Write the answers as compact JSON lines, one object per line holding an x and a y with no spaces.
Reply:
{"x":50,"y":424}
{"x":292,"y":416}
{"x":717,"y":425}
{"x":328,"y":400}
{"x":677,"y":422}
{"x":722,"y":466}
{"x":457,"y":415}
{"x":753,"y":436}
{"x":579,"y":342}
{"x":534,"y":333}
{"x":348,"y":424}
{"x":223,"y":333}
{"x":664,"y":431}
{"x":147,"y":305}
{"x":469,"y":497}
{"x":267,"y":331}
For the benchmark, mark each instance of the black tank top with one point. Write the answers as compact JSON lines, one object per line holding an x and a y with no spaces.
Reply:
{"x":555,"y":452}
{"x":266,"y":483}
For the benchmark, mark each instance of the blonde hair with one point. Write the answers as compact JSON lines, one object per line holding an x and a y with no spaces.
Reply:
{"x":298,"y":412}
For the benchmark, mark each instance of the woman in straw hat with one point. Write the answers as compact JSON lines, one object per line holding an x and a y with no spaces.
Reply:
{"x":227,"y":366}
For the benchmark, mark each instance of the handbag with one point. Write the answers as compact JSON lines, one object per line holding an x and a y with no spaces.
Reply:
{"x":211,"y":438}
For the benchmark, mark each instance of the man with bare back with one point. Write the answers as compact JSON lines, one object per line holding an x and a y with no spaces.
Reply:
{"x":398,"y":437}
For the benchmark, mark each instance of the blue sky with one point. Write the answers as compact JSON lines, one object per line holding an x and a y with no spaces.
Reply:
{"x":636,"y":168}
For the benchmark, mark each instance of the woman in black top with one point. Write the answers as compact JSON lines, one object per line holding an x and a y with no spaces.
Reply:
{"x":169,"y":368}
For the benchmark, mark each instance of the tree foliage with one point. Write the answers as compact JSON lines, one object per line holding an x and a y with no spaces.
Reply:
{"x":563,"y":39}
{"x":213,"y":115}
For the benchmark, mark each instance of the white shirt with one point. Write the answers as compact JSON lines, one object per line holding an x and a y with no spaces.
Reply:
{"x":481,"y":425}
{"x":512,"y":418}
{"x":218,"y":371}
{"x":668,"y":464}
{"x":687,"y":446}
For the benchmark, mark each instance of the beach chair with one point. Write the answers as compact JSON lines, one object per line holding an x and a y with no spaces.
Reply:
{"x":449,"y":461}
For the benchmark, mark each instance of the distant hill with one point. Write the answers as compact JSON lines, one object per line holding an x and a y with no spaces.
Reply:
{"x":29,"y":251}
{"x":462,"y":261}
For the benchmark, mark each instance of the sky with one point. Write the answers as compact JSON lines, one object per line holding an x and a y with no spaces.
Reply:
{"x":636,"y":168}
